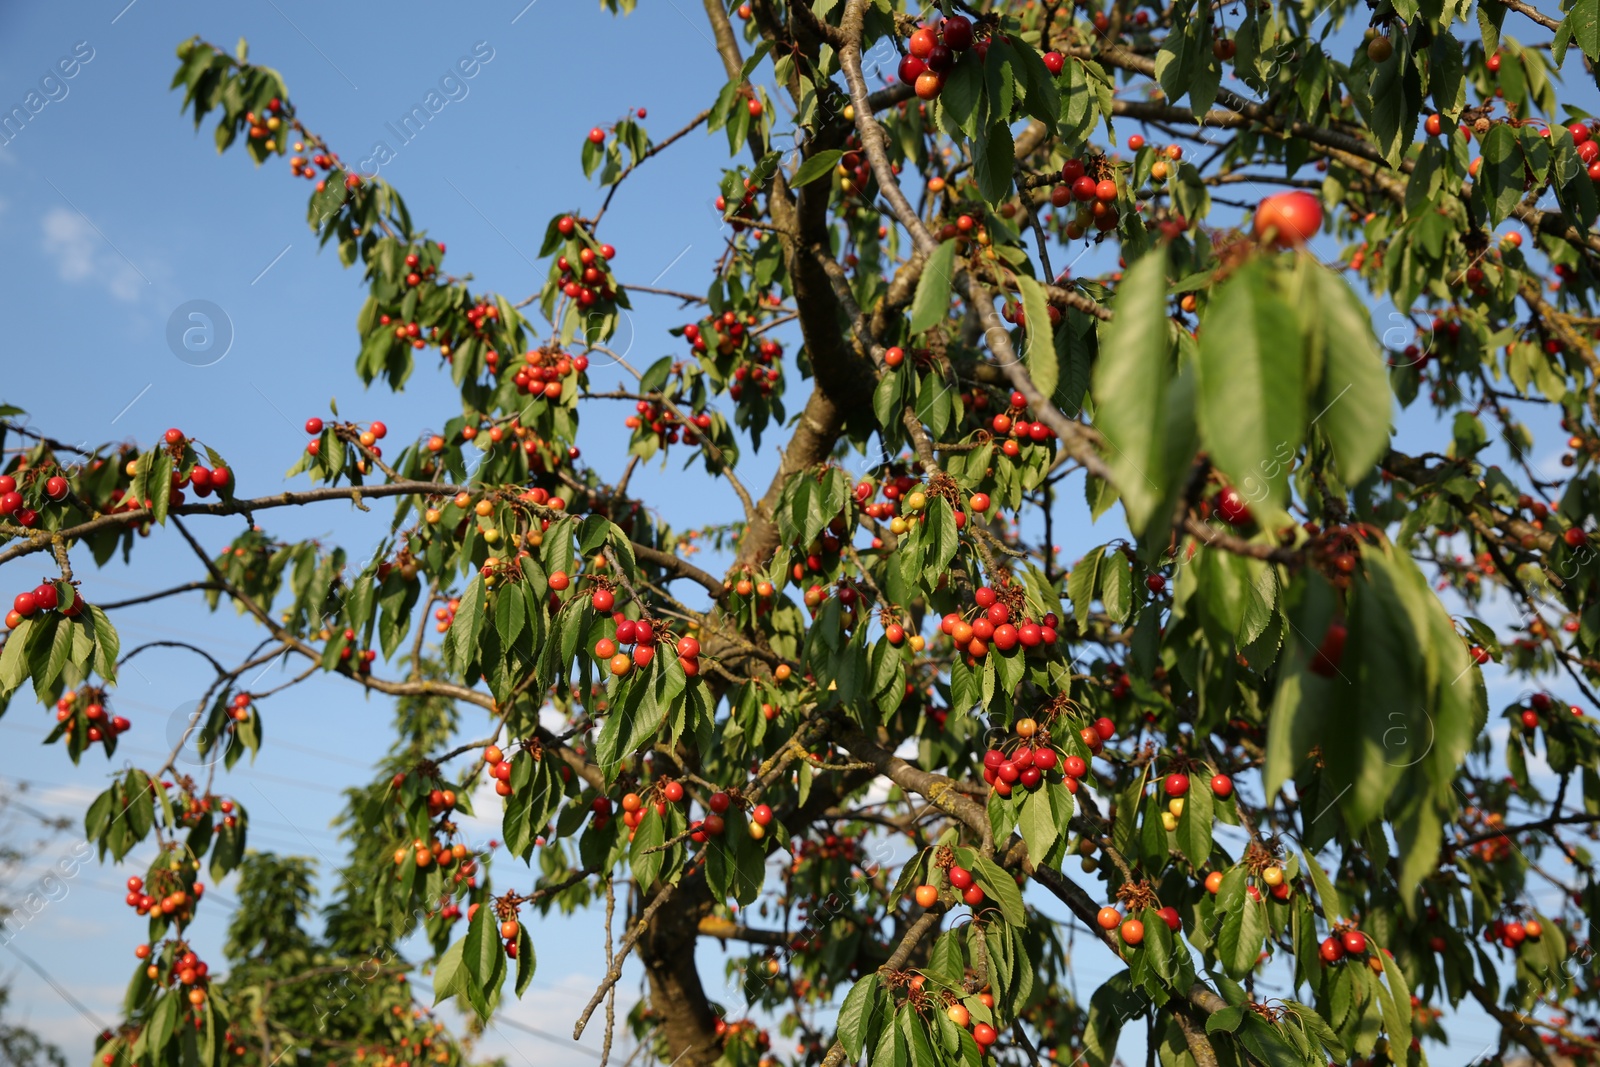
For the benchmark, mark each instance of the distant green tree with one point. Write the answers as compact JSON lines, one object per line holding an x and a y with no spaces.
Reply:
{"x":21,"y":1047}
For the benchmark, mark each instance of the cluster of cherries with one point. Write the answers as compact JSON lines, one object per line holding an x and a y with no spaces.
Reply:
{"x":1349,"y":943}
{"x":588,"y":281}
{"x":932,"y":52}
{"x":11,"y":502}
{"x":480,"y":319}
{"x":425,"y":854}
{"x":178,"y":904}
{"x":760,"y":360}
{"x":994,"y":625}
{"x":1026,"y":764}
{"x":1015,"y":430}
{"x":639,"y":633}
{"x":961,"y":880}
{"x":665,"y":792}
{"x":544,"y":370}
{"x":188,"y":970}
{"x":44,"y":597}
{"x":368,"y":438}
{"x":499,"y":769}
{"x":653,"y":418}
{"x":264,"y":128}
{"x":443,"y":617}
{"x":92,"y":704}
{"x":744,"y":215}
{"x":362,"y":657}
{"x":1131,"y":931}
{"x":1539,"y":705}
{"x":1511,"y":933}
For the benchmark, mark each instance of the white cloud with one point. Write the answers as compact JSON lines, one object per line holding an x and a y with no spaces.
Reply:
{"x":82,"y":255}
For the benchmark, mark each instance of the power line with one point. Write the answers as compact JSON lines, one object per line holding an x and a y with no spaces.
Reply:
{"x":78,"y":1005}
{"x":556,"y":1039}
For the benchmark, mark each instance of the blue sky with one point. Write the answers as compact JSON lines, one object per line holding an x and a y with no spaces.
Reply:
{"x":115,"y":213}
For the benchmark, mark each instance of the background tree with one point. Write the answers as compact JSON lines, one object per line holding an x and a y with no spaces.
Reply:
{"x":1249,"y":721}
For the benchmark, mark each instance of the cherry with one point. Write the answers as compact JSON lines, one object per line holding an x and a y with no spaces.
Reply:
{"x":1222,"y":786}
{"x":1169,"y":915}
{"x":1045,"y":759}
{"x":961,"y":878}
{"x":1232,"y":507}
{"x":1132,"y":931}
{"x":761,"y":815}
{"x":56,"y":487}
{"x":1054,"y":62}
{"x":173,"y":436}
{"x":1135,"y":143}
{"x":620,"y":664}
{"x":1108,"y":918}
{"x":1213,"y":881}
{"x":1156,"y":583}
{"x":673,"y":791}
{"x":603,"y":600}
{"x":8,"y":484}
{"x":896,"y":356}
{"x":687,"y":647}
{"x":957,"y":30}
{"x":1104,"y":727}
{"x":985,"y":1035}
{"x":559,"y":581}
{"x":1074,"y":767}
{"x":1177,"y":785}
{"x":597,"y":136}
{"x":1292,"y":218}
{"x":922,"y":42}
{"x":959,"y":1015}
{"x":927,"y":896}
{"x":510,"y":929}
{"x":1355,"y":942}
{"x":973,"y":896}
{"x":1331,"y":950}
{"x":1105,"y":190}
{"x":46,"y":597}
{"x":25,"y":604}
{"x":718,"y":802}
{"x":1573,"y":536}
{"x":313,"y":426}
{"x":1530,"y":719}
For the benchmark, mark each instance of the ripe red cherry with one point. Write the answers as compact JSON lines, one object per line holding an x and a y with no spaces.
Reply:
{"x":1573,"y":536}
{"x":985,"y":1035}
{"x":687,"y":647}
{"x":1135,"y":143}
{"x":1074,"y":767}
{"x":597,"y":136}
{"x":1030,"y":777}
{"x":973,"y":896}
{"x":25,"y":604}
{"x":958,"y":32}
{"x":895,"y":356}
{"x":1434,"y":125}
{"x":922,"y":43}
{"x":1293,"y":218}
{"x":1044,"y":758}
{"x":1331,"y":950}
{"x":1169,"y":915}
{"x":1132,"y":931}
{"x":1055,"y":62}
{"x":1105,"y":190}
{"x":1530,"y":718}
{"x":559,"y":580}
{"x":603,"y":600}
{"x":46,"y":597}
{"x":1355,"y":942}
{"x":993,"y":758}
{"x":960,"y":877}
{"x":1177,"y":785}
{"x":673,"y":791}
{"x":1232,"y":507}
{"x":1084,"y":188}
{"x":1156,"y":584}
{"x":762,"y":815}
{"x":928,"y":85}
{"x":718,"y":802}
{"x":1105,"y":728}
{"x":173,"y":436}
{"x":1222,"y":786}
{"x":56,"y":487}
{"x":313,"y":426}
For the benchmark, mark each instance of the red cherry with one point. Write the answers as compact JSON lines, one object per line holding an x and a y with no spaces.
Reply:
{"x":46,"y":597}
{"x":1055,"y":62}
{"x":1105,"y":728}
{"x":25,"y":604}
{"x":173,"y":436}
{"x":313,"y":426}
{"x":985,"y":1035}
{"x":1331,"y":950}
{"x":1222,"y":786}
{"x":673,"y":791}
{"x":602,"y":600}
{"x":718,"y":802}
{"x":1169,"y":915}
{"x":56,"y":488}
{"x":597,"y":136}
{"x":1292,"y":217}
{"x":957,"y":31}
{"x":1355,"y":942}
{"x":961,"y":878}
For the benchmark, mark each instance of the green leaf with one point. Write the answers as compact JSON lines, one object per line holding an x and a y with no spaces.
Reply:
{"x":483,"y":960}
{"x":1038,"y":824}
{"x":994,"y":157}
{"x":1501,"y":172}
{"x":1353,"y":399}
{"x":1239,"y":940}
{"x":856,"y":1013}
{"x":1001,"y":888}
{"x":1043,"y":365}
{"x":527,"y":961}
{"x":931,"y":305}
{"x":1225,"y":1020}
{"x":644,"y":853}
{"x":107,"y":646}
{"x":1131,"y":381}
{"x":1332,"y":906}
{"x":818,"y":166}
{"x":1583,"y":23}
{"x":1252,"y":383}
